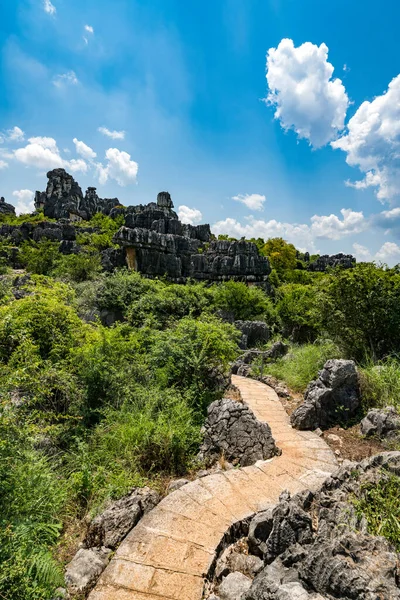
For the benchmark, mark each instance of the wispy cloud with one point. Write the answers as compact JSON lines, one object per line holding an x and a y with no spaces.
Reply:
{"x":114,"y":135}
{"x":68,"y":78}
{"x":49,"y":8}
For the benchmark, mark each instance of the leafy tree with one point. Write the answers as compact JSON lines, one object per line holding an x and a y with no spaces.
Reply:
{"x":281,"y":254}
{"x":243,"y":301}
{"x":360,"y":309}
{"x":296,"y":309}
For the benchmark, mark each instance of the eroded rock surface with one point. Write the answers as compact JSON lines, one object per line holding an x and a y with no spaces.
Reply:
{"x":331,"y":399}
{"x":232,"y":429}
{"x":381,"y":422}
{"x":112,"y":525}
{"x":5,"y":208}
{"x":85,"y":568}
{"x":346,"y":261}
{"x":253,"y":332}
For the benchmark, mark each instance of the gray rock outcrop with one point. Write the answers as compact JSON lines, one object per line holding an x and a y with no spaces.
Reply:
{"x":63,"y":198}
{"x":381,"y":422}
{"x":5,"y":208}
{"x":232,"y":429}
{"x":234,"y":586}
{"x":331,"y":399}
{"x":346,"y":261}
{"x":253,"y":332}
{"x":112,"y":525}
{"x":85,"y":568}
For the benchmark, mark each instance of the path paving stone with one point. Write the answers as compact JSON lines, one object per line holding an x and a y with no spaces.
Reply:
{"x":167,"y":555}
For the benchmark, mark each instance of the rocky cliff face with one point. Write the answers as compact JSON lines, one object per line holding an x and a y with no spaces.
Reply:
{"x":152,"y":240}
{"x":5,"y":208}
{"x":158,"y":244}
{"x":346,"y":261}
{"x":63,"y":199}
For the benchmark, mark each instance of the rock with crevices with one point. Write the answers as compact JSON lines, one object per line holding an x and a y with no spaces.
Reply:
{"x":232,"y":430}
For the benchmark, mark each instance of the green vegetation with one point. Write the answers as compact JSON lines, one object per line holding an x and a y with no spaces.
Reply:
{"x":88,"y":411}
{"x":302,"y":364}
{"x":380,"y":504}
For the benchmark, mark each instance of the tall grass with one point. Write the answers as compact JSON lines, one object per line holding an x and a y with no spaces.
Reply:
{"x":380,"y":504}
{"x":302,"y":364}
{"x":380,"y":383}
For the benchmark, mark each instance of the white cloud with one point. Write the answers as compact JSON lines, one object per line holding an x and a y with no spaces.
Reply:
{"x":252,"y":201}
{"x":49,"y":8}
{"x":40,"y":152}
{"x":372,"y":143}
{"x":76,"y":165}
{"x":43,"y":153}
{"x":302,"y":90}
{"x":89,"y":29}
{"x":192,"y":216}
{"x":361,"y":253}
{"x":84,"y":150}
{"x":63,"y":79}
{"x":114,"y":135}
{"x":3,"y":164}
{"x":119,"y":167}
{"x":333,"y":228}
{"x":12,"y":135}
{"x":389,"y":253}
{"x":25,"y":202}
{"x":297,"y":234}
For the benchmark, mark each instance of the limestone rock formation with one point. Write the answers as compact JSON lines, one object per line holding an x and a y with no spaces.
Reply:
{"x":63,"y":198}
{"x":5,"y":208}
{"x":234,"y":586}
{"x":152,"y":240}
{"x":331,"y":399}
{"x":382,"y":422}
{"x":346,"y":261}
{"x":232,"y":429}
{"x":111,"y":526}
{"x":253,"y":332}
{"x":85,"y":568}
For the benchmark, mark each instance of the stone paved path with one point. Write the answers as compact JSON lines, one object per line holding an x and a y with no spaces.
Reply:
{"x":171,"y":549}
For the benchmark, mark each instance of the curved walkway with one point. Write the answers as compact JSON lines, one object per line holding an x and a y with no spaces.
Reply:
{"x":168,"y":553}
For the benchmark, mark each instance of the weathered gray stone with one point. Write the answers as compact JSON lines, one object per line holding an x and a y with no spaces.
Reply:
{"x":85,"y":568}
{"x":234,"y":586}
{"x":331,"y":399}
{"x":253,"y":332}
{"x":5,"y":208}
{"x":63,"y":198}
{"x":382,"y":422}
{"x":111,"y":526}
{"x":259,"y":531}
{"x":346,"y":261}
{"x":176,"y":484}
{"x":232,"y":429}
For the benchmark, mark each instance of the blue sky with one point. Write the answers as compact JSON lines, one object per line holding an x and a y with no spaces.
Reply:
{"x":179,"y":88}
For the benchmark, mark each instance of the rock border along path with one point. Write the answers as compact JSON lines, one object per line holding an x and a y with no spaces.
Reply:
{"x":167,"y":555}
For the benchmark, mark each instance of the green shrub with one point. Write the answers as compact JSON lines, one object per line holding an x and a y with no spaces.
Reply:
{"x":32,"y":502}
{"x":122,"y":288}
{"x":39,"y":257}
{"x":168,"y":302}
{"x":296,"y":310}
{"x":78,"y":267}
{"x":152,"y":433}
{"x":360,"y":309}
{"x":194,"y":355}
{"x":50,"y":325}
{"x":302,"y":364}
{"x":243,"y":301}
{"x":380,"y":383}
{"x":380,"y":504}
